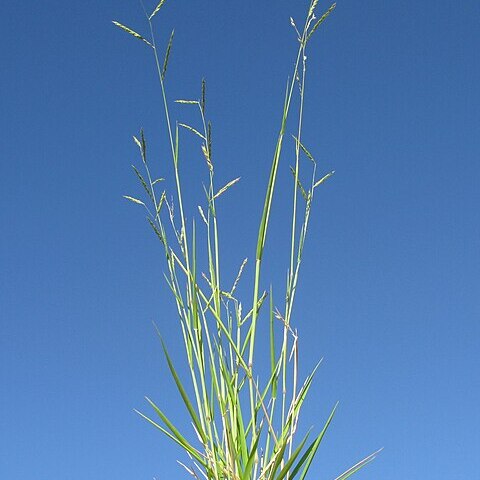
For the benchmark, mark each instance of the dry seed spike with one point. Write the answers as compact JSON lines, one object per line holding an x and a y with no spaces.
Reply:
{"x":300,"y":186}
{"x":156,"y":230}
{"x":325,"y":177}
{"x":131,"y":32}
{"x":226,"y":187}
{"x":189,"y":102}
{"x":305,"y":151}
{"x":312,"y":8}
{"x":134,"y":200}
{"x":167,"y":55}
{"x":160,"y":203}
{"x":137,"y":141}
{"x":321,"y":20}
{"x":239,"y":275}
{"x":202,"y":214}
{"x":143,"y":182}
{"x":144,"y":142}
{"x":203,"y":100}
{"x":157,"y":8}
{"x":207,"y":157}
{"x":194,"y":130}
{"x":209,"y":139}
{"x":141,"y":144}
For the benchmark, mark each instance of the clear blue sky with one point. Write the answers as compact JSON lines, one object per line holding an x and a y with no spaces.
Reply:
{"x":390,"y":281}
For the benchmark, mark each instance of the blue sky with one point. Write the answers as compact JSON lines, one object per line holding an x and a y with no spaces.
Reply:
{"x":390,"y":283}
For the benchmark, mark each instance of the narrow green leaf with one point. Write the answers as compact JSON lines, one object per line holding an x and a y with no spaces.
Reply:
{"x":162,"y":429}
{"x":167,"y":55}
{"x":292,"y":458}
{"x":308,"y":456}
{"x":278,"y":459}
{"x":225,"y":188}
{"x":305,"y":388}
{"x":183,"y":393}
{"x":262,"y":231}
{"x":131,"y":32}
{"x":181,"y":439}
{"x":157,"y":8}
{"x":273,"y":378}
{"x":358,"y":466}
{"x":272,"y":345}
{"x":251,"y":459}
{"x":235,"y":408}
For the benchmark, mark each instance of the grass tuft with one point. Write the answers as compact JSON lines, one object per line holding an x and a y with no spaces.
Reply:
{"x":243,"y":426}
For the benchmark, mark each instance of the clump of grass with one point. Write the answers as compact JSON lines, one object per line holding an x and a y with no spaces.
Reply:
{"x":242,"y":428}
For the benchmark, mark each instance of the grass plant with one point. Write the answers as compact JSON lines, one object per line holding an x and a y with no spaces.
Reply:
{"x":243,"y":428}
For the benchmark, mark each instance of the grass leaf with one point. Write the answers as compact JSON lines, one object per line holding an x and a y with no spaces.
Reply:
{"x":292,"y":458}
{"x":183,"y":393}
{"x":307,"y":458}
{"x":246,"y":475}
{"x":358,"y":466}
